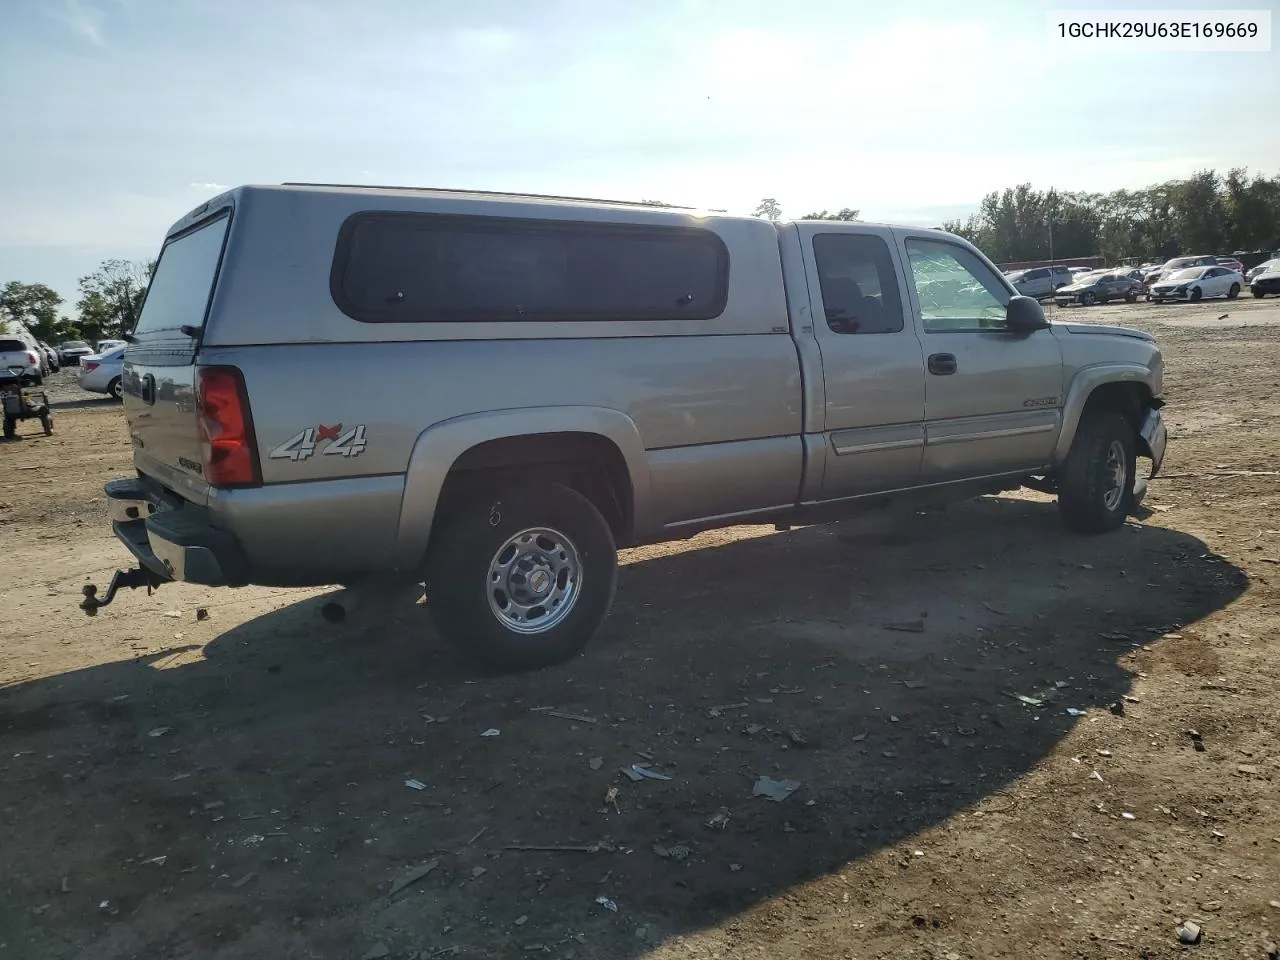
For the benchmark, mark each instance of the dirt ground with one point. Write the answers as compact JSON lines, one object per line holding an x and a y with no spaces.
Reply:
{"x":235,"y":786}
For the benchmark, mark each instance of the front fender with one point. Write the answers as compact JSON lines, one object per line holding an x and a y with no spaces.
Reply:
{"x":439,"y":446}
{"x":1082,"y":386}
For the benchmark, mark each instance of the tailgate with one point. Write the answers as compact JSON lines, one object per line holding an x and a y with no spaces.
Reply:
{"x":159,"y":396}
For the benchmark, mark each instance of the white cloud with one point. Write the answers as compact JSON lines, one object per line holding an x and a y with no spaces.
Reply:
{"x":215,"y":187}
{"x":82,"y":18}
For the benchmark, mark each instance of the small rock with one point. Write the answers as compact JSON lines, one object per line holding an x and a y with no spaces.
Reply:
{"x":735,"y":867}
{"x":1274,"y":904}
{"x":1189,"y":932}
{"x":1103,"y":753}
{"x":492,"y":732}
{"x":478,"y":872}
{"x":595,"y":763}
{"x":679,"y":852}
{"x":1211,"y":905}
{"x":522,"y":920}
{"x":753,"y":728}
{"x":158,"y":731}
{"x":1117,"y":708}
{"x":1128,"y":816}
{"x":376,"y":952}
{"x":202,"y":613}
{"x":1249,"y":769}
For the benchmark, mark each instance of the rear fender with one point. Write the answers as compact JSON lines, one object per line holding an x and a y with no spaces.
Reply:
{"x":439,"y":446}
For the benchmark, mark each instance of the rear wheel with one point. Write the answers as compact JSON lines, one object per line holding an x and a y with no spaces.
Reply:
{"x":524,"y":578}
{"x":1130,"y":297}
{"x":1095,"y":484}
{"x":1258,"y":294}
{"x":116,"y":388}
{"x":1234,"y":291}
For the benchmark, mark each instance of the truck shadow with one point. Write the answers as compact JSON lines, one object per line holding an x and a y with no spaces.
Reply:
{"x":879,"y":666}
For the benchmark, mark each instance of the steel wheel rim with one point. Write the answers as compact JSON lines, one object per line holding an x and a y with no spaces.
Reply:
{"x":1117,"y":469}
{"x":117,"y":390}
{"x":534,"y":580}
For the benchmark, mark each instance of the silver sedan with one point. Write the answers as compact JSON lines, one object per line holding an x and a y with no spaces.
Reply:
{"x":102,"y":373}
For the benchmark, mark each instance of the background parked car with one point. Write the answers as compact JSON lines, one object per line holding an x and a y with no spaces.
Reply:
{"x":1231,"y":263}
{"x":71,"y":352}
{"x":1099,"y":287}
{"x":55,"y":364}
{"x":1040,"y":281}
{"x":20,"y":361}
{"x":103,"y":373}
{"x":1178,"y":263}
{"x":1268,"y":281}
{"x":1196,"y":283}
{"x":106,"y":346}
{"x":1267,"y":266}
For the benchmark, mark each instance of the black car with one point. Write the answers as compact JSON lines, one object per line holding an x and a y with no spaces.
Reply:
{"x":1265,"y":283}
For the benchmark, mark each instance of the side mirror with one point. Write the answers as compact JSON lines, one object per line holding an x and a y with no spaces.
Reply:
{"x":1024,"y":315}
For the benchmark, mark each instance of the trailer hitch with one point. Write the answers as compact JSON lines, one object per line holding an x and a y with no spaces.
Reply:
{"x":133,"y":579}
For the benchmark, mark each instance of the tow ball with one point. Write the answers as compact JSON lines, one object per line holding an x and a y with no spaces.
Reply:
{"x":133,"y":579}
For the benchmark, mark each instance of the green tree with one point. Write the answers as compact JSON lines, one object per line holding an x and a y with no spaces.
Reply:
{"x":768,"y":208}
{"x":111,"y":296}
{"x":36,"y":306}
{"x":844,"y":213}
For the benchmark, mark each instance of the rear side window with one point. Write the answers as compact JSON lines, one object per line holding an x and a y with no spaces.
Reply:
{"x":423,"y":268}
{"x":12,"y":346}
{"x":858,"y":283}
{"x":183,"y":282}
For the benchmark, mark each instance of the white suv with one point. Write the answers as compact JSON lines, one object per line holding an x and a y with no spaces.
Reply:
{"x":1040,"y":281}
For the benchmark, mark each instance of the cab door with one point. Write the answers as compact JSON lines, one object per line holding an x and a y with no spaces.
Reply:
{"x":872,"y":360}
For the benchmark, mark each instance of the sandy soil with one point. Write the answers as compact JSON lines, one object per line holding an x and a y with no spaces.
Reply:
{"x":234,"y":786}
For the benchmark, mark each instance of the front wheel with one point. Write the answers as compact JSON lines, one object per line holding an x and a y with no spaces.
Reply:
{"x":1196,"y":294}
{"x":1130,"y":297}
{"x":524,"y":578}
{"x":1234,"y":291}
{"x":1088,"y":299}
{"x":116,"y":388}
{"x":1095,"y":484}
{"x":1257,"y":294}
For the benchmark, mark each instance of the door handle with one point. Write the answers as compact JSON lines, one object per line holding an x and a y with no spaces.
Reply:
{"x":942,"y":364}
{"x":148,"y":390}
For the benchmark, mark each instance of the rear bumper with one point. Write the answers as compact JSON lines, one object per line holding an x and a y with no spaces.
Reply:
{"x":173,"y":539}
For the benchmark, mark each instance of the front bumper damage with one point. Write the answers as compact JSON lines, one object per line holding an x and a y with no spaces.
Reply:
{"x":1153,"y":436}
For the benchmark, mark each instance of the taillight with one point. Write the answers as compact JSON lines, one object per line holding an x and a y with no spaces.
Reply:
{"x":227,"y":445}
{"x":32,"y":360}
{"x":90,"y":366}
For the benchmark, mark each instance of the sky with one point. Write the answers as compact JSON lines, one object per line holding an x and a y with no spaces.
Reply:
{"x":121,"y":115}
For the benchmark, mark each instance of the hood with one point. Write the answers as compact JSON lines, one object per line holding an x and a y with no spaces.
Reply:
{"x":1268,"y":275}
{"x":1104,"y":330}
{"x":1169,"y":282}
{"x":1077,"y":287}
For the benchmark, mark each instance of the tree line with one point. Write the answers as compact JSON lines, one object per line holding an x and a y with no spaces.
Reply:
{"x":107,"y":303}
{"x":1205,"y":214}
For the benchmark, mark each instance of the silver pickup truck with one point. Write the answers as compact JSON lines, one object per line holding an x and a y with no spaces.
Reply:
{"x":492,"y":393}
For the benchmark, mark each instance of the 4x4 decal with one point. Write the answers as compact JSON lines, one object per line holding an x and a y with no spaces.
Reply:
{"x":338,"y":444}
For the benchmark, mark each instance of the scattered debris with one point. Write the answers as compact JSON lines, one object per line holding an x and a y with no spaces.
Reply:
{"x":1189,"y":932}
{"x":677,"y":852}
{"x":1128,"y":699}
{"x":173,"y":614}
{"x":1075,"y":712}
{"x":715,"y":711}
{"x":1076,"y":836}
{"x":647,"y":773}
{"x":1096,"y":776}
{"x":237,"y":884}
{"x":797,"y":738}
{"x":412,"y":876}
{"x":1117,"y":708}
{"x":595,"y":763}
{"x":775,"y":790}
{"x":377,"y":952}
{"x":909,"y":626}
{"x":719,"y":820}
{"x":253,"y":840}
{"x":415,"y":785}
{"x":109,"y":907}
{"x":914,"y":684}
{"x":752,"y":729}
{"x":158,"y":731}
{"x":635,"y":777}
{"x":611,"y":799}
{"x":560,"y":715}
{"x":1102,"y":753}
{"x":522,"y":920}
{"x":477,"y":835}
{"x":492,"y":732}
{"x":1117,"y":637}
{"x":735,"y":867}
{"x":858,"y":737}
{"x":966,"y":731}
{"x":607,"y":903}
{"x":1249,"y":769}
{"x":1197,"y":741}
{"x":551,"y":848}
{"x":1029,"y":701}
{"x":158,"y":861}
{"x":1128,"y":816}
{"x":202,"y":613}
{"x":478,"y":872}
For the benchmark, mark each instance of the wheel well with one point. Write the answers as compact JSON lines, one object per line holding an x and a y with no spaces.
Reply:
{"x":1129,"y":399}
{"x":586,"y":462}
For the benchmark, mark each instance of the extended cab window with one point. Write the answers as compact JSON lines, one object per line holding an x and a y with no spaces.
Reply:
{"x":956,"y":290}
{"x":431,"y":268}
{"x":859,"y":287}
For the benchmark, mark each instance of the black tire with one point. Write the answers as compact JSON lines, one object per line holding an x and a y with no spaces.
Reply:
{"x":1087,"y":299}
{"x":37,"y":381}
{"x":1088,"y":498}
{"x":46,"y":421}
{"x":10,"y":427}
{"x":466,"y":598}
{"x":1130,"y":297}
{"x":1258,"y":294}
{"x":1196,"y":294}
{"x":116,"y":389}
{"x":1234,"y":291}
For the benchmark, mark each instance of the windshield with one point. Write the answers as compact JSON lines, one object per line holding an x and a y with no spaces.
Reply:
{"x":1180,"y":263}
{"x":1269,"y":266}
{"x":74,"y":344}
{"x":1190,"y":274}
